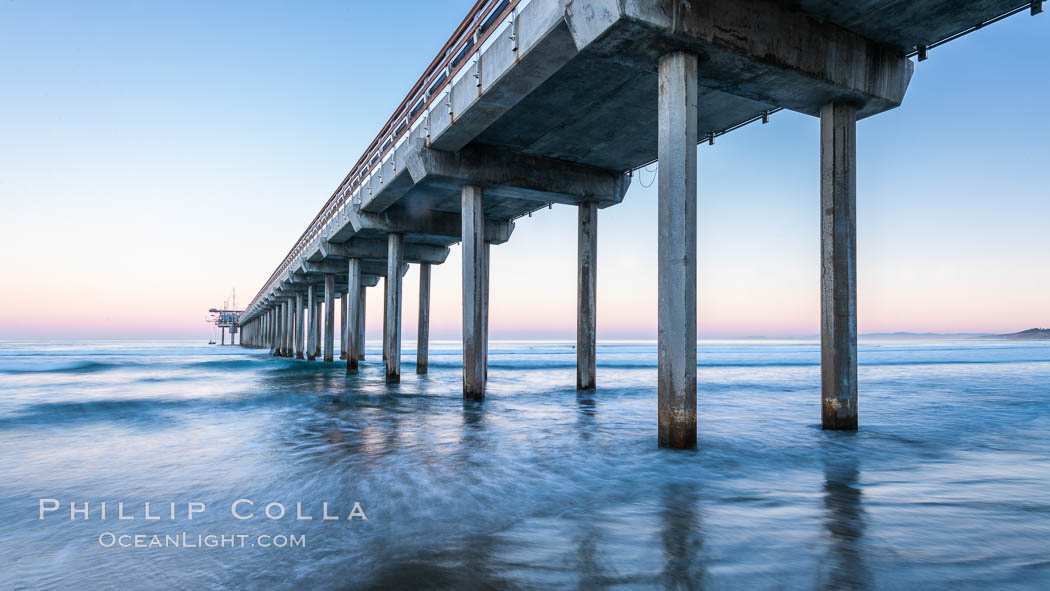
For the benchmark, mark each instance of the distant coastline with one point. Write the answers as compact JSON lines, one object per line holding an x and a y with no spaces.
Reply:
{"x":1031,"y":333}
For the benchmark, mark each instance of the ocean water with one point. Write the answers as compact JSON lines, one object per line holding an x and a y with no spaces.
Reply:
{"x":945,"y":486}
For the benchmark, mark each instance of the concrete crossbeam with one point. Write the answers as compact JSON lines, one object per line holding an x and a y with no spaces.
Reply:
{"x":365,"y":248}
{"x":439,"y":224}
{"x":762,"y":50}
{"x":504,"y":174}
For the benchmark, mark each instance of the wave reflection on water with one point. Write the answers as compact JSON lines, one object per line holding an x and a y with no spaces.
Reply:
{"x":945,"y":485}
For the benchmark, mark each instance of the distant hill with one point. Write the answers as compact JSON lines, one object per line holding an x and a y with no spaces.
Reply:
{"x":1031,"y":333}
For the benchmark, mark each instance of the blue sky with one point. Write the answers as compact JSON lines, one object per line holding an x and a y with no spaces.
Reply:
{"x":155,"y":155}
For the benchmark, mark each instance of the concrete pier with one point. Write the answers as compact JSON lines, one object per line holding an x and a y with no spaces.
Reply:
{"x":355,"y":290}
{"x":676,"y":251}
{"x":475,"y":283}
{"x":423,"y":326}
{"x":586,"y":294}
{"x":557,"y":108}
{"x":838,"y":266}
{"x":329,"y":317}
{"x":311,"y":323}
{"x":392,"y":346}
{"x":299,"y":326}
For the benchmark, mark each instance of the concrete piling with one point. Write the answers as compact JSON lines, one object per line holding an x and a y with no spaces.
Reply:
{"x":676,"y":343}
{"x":838,"y":268}
{"x":342,"y":326}
{"x":317,"y":328}
{"x":586,"y":294}
{"x":299,"y":325}
{"x":361,"y":326}
{"x":355,"y":289}
{"x":474,"y":287}
{"x":395,"y":260}
{"x":311,"y":323}
{"x":329,"y":316}
{"x":386,"y":301}
{"x":423,"y":326}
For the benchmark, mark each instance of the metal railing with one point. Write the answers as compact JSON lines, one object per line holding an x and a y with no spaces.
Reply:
{"x":480,"y":23}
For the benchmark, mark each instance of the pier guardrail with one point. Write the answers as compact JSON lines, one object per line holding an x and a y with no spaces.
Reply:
{"x":483,"y":20}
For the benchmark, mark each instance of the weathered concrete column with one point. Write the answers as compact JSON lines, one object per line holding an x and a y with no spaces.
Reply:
{"x":278,"y":329}
{"x":318,"y":322}
{"x":361,"y":325}
{"x":299,"y":326}
{"x":276,"y":337}
{"x":354,"y":289}
{"x":474,"y":284}
{"x":342,"y":326}
{"x":273,"y":330}
{"x":290,"y":344}
{"x":329,"y":317}
{"x":423,"y":326}
{"x":838,"y":266}
{"x":586,"y":295}
{"x":311,"y":323}
{"x":288,"y":332}
{"x":676,"y":251}
{"x":485,"y":313}
{"x":395,"y":259}
{"x":386,"y":314}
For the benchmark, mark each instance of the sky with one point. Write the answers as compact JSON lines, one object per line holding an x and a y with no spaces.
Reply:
{"x":154,"y":156}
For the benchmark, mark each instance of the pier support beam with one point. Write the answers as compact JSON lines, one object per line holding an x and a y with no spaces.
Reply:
{"x":361,"y":326}
{"x":838,"y":266}
{"x":275,"y":337}
{"x":386,"y":301}
{"x":586,"y":293}
{"x":317,"y":329}
{"x":423,"y":330}
{"x":299,"y":326}
{"x":290,"y":350}
{"x":354,"y":289}
{"x":329,"y":316}
{"x":475,"y":282}
{"x":676,"y":342}
{"x":395,"y":260}
{"x":311,"y":323}
{"x":271,"y":329}
{"x":342,"y":326}
{"x":287,"y":328}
